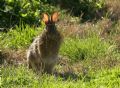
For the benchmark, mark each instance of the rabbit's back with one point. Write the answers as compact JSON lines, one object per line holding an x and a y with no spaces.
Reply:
{"x":50,"y":44}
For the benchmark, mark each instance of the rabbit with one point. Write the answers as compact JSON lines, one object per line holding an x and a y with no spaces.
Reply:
{"x":42,"y":54}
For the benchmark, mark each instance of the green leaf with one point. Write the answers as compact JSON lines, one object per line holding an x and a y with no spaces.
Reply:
{"x":24,"y":15}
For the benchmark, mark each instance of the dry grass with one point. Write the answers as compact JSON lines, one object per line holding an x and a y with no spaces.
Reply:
{"x":13,"y":57}
{"x":117,"y":41}
{"x":113,"y":9}
{"x":72,"y":28}
{"x":102,"y":28}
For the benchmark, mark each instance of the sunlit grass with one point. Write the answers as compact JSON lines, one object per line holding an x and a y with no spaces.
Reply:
{"x":13,"y":77}
{"x":79,"y":49}
{"x":20,"y":37}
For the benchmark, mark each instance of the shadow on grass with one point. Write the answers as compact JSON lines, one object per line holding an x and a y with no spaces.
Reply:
{"x":72,"y":76}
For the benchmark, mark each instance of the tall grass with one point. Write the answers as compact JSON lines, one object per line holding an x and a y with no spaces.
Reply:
{"x":20,"y":37}
{"x":79,"y":49}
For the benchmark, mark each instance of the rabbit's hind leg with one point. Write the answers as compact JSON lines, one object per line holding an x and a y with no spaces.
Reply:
{"x":32,"y":65}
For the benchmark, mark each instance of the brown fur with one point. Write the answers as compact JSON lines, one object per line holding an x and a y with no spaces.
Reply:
{"x":43,"y":52}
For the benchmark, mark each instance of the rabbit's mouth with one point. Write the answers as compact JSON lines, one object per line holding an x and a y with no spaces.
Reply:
{"x":52,"y":37}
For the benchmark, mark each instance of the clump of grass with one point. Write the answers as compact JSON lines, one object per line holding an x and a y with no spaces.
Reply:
{"x":79,"y":49}
{"x":21,"y":37}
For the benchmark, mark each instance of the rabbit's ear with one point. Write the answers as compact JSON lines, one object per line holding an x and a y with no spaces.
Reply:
{"x":54,"y":17}
{"x":45,"y":18}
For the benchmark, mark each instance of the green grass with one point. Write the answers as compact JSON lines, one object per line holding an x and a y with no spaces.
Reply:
{"x":79,"y":49}
{"x":20,"y":37}
{"x":21,"y":77}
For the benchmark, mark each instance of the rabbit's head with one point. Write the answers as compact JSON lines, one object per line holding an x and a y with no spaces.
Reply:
{"x":50,"y":21}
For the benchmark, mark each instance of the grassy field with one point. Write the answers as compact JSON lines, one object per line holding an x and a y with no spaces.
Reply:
{"x":89,"y":56}
{"x":20,"y":77}
{"x":92,"y":61}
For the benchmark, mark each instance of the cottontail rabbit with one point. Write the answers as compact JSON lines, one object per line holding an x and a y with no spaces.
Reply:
{"x":42,"y":55}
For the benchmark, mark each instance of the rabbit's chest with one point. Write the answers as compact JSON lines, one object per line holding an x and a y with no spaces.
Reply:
{"x":49,"y":48}
{"x":50,"y":60}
